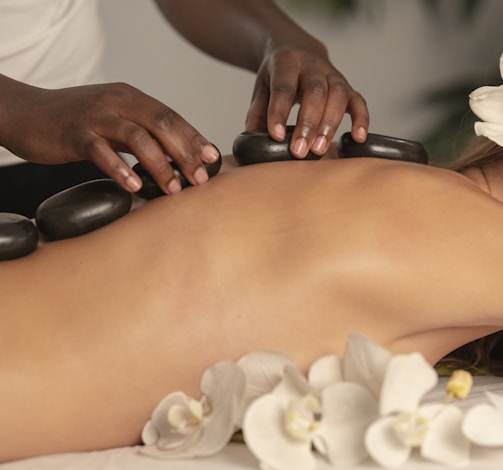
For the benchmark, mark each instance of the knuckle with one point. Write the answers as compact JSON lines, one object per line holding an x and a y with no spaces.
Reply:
{"x":284,"y":89}
{"x":317,"y":87}
{"x":122,"y":89}
{"x":164,"y":168}
{"x":94,"y":147}
{"x":134,"y":134}
{"x":197,"y":141}
{"x":105,"y":100}
{"x":187,"y":158}
{"x":329,"y":126}
{"x":288,"y":55}
{"x":308,"y":125}
{"x":340,"y":88}
{"x":164,"y":119}
{"x":115,"y":167}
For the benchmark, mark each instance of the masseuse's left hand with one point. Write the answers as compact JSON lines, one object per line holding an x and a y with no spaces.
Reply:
{"x":291,"y":65}
{"x":290,"y":75}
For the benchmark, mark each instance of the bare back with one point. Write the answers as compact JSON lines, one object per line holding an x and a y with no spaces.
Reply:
{"x":288,"y":256}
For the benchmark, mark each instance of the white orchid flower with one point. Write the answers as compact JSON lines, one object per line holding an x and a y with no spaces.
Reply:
{"x":365,"y":363}
{"x":487,"y":103}
{"x":281,"y":427}
{"x":263,"y":371}
{"x":182,"y":427}
{"x":404,"y":425}
{"x":483,"y":424}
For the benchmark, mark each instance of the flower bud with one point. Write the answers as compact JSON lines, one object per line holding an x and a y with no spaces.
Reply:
{"x":459,"y":384}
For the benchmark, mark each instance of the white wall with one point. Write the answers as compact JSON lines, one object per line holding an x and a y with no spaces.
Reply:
{"x":392,"y":54}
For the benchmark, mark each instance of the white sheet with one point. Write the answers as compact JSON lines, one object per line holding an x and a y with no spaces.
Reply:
{"x":236,"y":456}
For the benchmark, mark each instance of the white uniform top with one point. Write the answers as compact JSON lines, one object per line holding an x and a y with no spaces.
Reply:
{"x":50,"y":44}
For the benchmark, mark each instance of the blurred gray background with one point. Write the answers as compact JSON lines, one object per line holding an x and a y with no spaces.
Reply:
{"x":413,"y":61}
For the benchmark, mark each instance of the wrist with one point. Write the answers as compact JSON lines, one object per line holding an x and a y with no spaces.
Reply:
{"x":15,"y":105}
{"x":306,"y":43}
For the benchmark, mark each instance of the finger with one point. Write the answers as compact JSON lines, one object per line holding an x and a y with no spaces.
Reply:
{"x":147,"y":151}
{"x":175,"y":137}
{"x":335,"y":107}
{"x":256,"y":118}
{"x":98,"y":150}
{"x":183,"y":143}
{"x":358,"y":110}
{"x":283,"y":95}
{"x":315,"y":95}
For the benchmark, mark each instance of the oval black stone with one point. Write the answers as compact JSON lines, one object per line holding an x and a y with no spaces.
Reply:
{"x":81,"y":209}
{"x":18,"y":236}
{"x":150,"y":189}
{"x":383,"y":146}
{"x":258,"y":147}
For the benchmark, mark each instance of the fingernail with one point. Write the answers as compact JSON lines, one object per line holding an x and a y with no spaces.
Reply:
{"x":133,"y":184}
{"x":174,"y":186}
{"x":361,"y":133}
{"x":280,"y":131}
{"x":320,"y":144}
{"x":210,"y":153}
{"x":200,"y":175}
{"x":300,"y":147}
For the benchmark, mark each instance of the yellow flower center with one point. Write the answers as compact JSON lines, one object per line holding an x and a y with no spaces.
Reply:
{"x":411,"y":428}
{"x":185,"y":418}
{"x":303,"y":417}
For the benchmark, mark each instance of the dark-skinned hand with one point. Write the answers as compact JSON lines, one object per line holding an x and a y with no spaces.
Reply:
{"x":95,"y":122}
{"x":296,"y":75}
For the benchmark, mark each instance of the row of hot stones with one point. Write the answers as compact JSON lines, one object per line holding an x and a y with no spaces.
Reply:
{"x":94,"y":204}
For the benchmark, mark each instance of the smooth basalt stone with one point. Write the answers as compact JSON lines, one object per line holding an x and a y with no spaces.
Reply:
{"x":18,"y":236}
{"x":150,"y":189}
{"x":382,"y":146}
{"x":258,"y":147}
{"x":82,"y":209}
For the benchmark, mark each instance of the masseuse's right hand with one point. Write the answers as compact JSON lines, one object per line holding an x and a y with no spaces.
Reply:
{"x":94,"y":122}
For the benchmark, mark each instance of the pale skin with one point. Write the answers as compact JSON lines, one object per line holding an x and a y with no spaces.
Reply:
{"x":286,"y":256}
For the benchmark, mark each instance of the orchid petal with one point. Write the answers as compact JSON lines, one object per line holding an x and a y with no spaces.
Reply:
{"x":224,"y":385}
{"x":497,"y":400}
{"x":266,"y":437}
{"x":348,"y":409}
{"x":325,"y":371}
{"x":293,"y":384}
{"x":383,"y":444}
{"x":214,"y":418}
{"x":490,"y":130}
{"x":149,"y":434}
{"x":487,"y":103}
{"x":365,"y":363}
{"x":263,"y":371}
{"x":444,"y":442}
{"x":158,"y":426}
{"x":408,"y":377}
{"x":483,"y":425}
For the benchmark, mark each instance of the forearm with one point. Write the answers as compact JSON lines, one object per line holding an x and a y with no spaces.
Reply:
{"x":240,"y":32}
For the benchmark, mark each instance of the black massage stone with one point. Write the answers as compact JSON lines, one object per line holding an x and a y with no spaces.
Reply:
{"x":151,"y":190}
{"x":258,"y":147}
{"x":381,"y":146}
{"x":18,"y":236}
{"x":81,"y":209}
